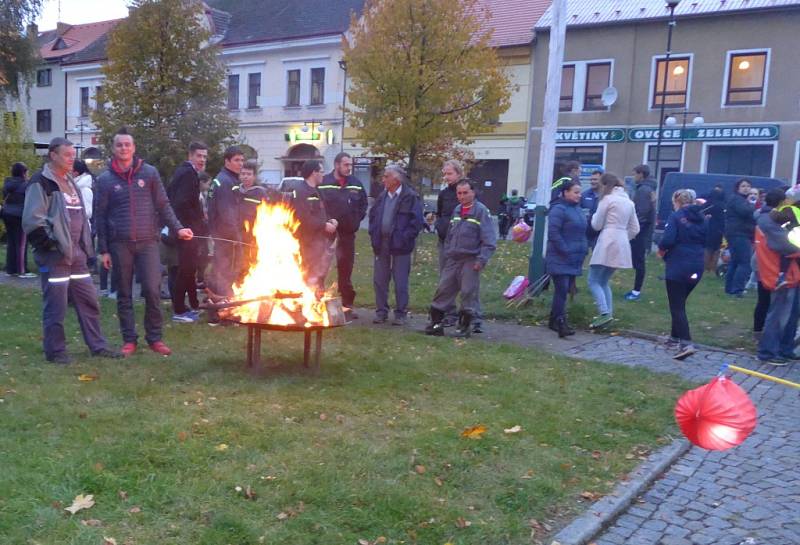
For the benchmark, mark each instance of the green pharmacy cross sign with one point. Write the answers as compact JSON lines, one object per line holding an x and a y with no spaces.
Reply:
{"x":720,"y":133}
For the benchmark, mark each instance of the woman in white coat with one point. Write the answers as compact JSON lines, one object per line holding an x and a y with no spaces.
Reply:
{"x":616,"y":221}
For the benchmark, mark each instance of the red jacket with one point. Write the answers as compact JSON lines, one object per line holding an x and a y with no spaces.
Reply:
{"x":769,"y":264}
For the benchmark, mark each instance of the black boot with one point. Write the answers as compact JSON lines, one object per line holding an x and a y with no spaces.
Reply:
{"x":464,"y":320}
{"x":563,"y":328}
{"x":435,"y":326}
{"x":551,"y":322}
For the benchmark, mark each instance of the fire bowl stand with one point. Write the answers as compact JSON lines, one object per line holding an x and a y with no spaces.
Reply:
{"x":254,"y":343}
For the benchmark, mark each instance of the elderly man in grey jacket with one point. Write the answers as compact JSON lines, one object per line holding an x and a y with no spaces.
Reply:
{"x":56,"y":222}
{"x":471,"y":241}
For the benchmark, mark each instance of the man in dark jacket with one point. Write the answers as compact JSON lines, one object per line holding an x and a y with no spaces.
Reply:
{"x":395,"y":221}
{"x":132,"y":205}
{"x":589,"y":201}
{"x":316,"y":231}
{"x":346,"y":202}
{"x":223,"y":222}
{"x":644,"y":201}
{"x":13,"y":200}
{"x":184,"y":196}
{"x":57,"y":225}
{"x":739,"y":229}
{"x":471,"y":241}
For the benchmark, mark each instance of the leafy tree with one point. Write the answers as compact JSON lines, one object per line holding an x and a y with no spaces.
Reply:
{"x":424,"y":78}
{"x":18,"y":53}
{"x":16,"y":145}
{"x":163,"y":82}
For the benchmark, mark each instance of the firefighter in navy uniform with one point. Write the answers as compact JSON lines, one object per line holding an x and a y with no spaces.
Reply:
{"x":316,"y":232}
{"x":346,"y":202}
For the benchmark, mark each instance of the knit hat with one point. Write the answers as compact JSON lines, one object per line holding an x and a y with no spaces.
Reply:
{"x":793,"y":193}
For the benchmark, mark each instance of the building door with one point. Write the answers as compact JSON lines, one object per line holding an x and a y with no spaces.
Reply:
{"x":746,"y":160}
{"x":491,"y":178}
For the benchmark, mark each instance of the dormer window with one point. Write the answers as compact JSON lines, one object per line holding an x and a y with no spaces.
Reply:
{"x":59,"y":44}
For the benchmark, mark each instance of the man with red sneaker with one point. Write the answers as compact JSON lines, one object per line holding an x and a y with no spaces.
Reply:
{"x":131,"y":207}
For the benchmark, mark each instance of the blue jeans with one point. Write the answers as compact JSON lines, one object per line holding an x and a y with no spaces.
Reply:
{"x":739,"y":266}
{"x":599,"y":277}
{"x":780,"y":325}
{"x":142,"y":257}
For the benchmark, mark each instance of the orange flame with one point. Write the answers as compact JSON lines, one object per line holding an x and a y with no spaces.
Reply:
{"x":277,"y":269}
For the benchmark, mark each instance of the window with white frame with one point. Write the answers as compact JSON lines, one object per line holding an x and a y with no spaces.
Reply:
{"x":99,"y":100}
{"x":583,"y":83}
{"x":676,"y":93}
{"x":84,"y":111}
{"x":293,"y":88}
{"x":233,"y":92}
{"x":317,"y":86}
{"x":567,"y":88}
{"x":253,"y":89}
{"x":746,"y":78}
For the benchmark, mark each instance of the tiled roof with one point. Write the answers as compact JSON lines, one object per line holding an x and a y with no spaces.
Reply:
{"x":513,"y":21}
{"x":605,"y":12}
{"x":271,"y":20}
{"x":73,"y":38}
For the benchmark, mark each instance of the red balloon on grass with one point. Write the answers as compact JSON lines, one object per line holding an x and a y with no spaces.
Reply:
{"x":716,"y":416}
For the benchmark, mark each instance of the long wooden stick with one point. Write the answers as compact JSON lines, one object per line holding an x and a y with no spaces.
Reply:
{"x":764,"y":376}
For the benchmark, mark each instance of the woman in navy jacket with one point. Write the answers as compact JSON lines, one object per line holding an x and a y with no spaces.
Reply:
{"x":566,"y":249}
{"x":683,"y":248}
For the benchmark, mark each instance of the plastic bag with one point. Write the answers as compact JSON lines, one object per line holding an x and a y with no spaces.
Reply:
{"x":521,"y":231}
{"x":516,"y":287}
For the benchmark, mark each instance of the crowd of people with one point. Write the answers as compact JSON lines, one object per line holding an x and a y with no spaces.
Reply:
{"x":132,"y":227}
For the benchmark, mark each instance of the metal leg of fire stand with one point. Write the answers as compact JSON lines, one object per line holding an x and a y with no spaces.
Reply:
{"x":306,"y":347}
{"x":249,"y":346}
{"x":317,"y":349}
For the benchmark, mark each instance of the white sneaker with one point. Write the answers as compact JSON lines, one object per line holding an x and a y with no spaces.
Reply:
{"x":28,"y":275}
{"x":185,"y":318}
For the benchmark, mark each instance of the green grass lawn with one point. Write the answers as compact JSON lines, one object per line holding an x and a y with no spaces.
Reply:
{"x":368,"y":449}
{"x":715,"y":318}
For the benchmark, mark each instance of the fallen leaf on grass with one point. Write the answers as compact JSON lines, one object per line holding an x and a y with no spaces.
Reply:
{"x":596,"y":454}
{"x":438,"y":481}
{"x":109,"y":541}
{"x":461,"y":522}
{"x":515,"y":429}
{"x":222,"y":447}
{"x":282,"y":516}
{"x":80,"y":502}
{"x":247,"y":492}
{"x":91,"y":522}
{"x":590,"y":496}
{"x":182,"y":436}
{"x":122,"y":495}
{"x":87,"y":378}
{"x":419,"y":469}
{"x":475,"y":432}
{"x":135,"y":509}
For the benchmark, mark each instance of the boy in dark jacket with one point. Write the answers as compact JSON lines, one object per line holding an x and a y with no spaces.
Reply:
{"x":250,"y":196}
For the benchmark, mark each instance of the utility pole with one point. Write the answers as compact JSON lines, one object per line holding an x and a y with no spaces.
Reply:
{"x":547,"y":149}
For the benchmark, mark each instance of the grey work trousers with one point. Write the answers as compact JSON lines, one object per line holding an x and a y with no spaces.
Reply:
{"x":59,"y":288}
{"x":458,"y":276}
{"x":386,"y":268}
{"x":451,"y":312}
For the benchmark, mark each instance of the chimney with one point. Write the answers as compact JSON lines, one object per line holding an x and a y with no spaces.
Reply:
{"x":62,"y":28}
{"x":32,"y":30}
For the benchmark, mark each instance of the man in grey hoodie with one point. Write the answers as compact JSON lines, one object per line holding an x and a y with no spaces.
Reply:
{"x":56,"y":222}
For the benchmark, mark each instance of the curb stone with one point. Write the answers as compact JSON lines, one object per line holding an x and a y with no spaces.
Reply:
{"x":602,"y":512}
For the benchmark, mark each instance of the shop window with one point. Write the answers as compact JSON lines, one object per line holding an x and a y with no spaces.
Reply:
{"x":746,"y":160}
{"x":746,"y":79}
{"x":677,"y":80}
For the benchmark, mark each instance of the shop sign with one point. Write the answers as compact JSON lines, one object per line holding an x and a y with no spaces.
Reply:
{"x":590,"y":135}
{"x":719,"y":133}
{"x":297,"y":135}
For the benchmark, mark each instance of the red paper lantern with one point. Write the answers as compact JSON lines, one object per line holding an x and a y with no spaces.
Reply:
{"x":716,"y":416}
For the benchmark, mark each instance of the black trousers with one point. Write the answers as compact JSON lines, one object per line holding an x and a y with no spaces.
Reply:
{"x":345,"y":257}
{"x":639,"y":254}
{"x":677,"y":293}
{"x":17,"y":251}
{"x":762,"y":306}
{"x":185,"y":277}
{"x":561,"y":284}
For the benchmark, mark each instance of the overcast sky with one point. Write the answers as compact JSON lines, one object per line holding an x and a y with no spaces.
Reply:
{"x":80,"y":11}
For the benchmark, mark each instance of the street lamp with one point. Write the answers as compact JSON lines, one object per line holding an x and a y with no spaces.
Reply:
{"x":671,"y":121}
{"x":343,"y":66}
{"x":79,"y":127}
{"x":671,"y":5}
